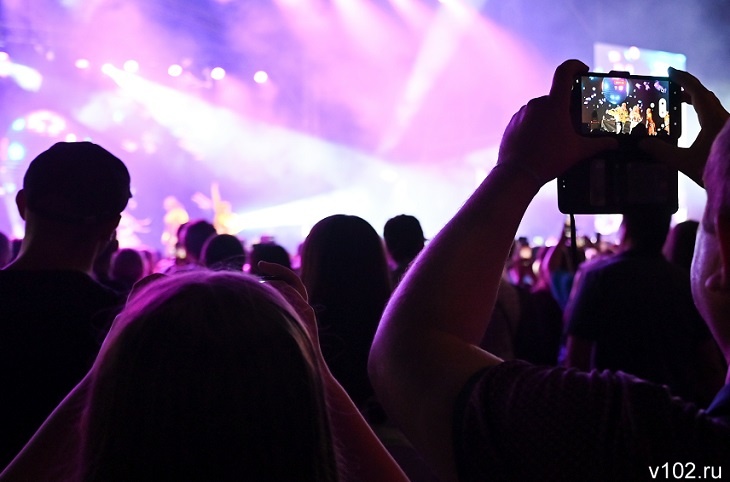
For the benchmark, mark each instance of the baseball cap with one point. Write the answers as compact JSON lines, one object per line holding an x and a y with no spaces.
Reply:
{"x":77,"y":182}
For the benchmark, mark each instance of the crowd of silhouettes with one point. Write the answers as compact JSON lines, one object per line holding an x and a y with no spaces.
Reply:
{"x":375,"y":357}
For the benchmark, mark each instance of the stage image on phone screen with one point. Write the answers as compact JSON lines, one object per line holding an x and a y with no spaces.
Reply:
{"x":625,"y":106}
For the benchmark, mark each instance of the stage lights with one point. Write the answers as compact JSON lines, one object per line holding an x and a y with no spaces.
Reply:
{"x":16,"y":152}
{"x":217,"y":73}
{"x":175,"y":70}
{"x":131,"y":66}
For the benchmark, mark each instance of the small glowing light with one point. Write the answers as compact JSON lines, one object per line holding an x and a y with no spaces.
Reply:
{"x":130,"y":146}
{"x":175,"y":70}
{"x":70,"y":137}
{"x":217,"y":73}
{"x":82,"y":64}
{"x":16,"y":152}
{"x":108,"y":69}
{"x":260,"y":77}
{"x":538,"y":241}
{"x":131,"y":66}
{"x":4,"y":57}
{"x":27,"y":78}
{"x":633,"y":53}
{"x":614,"y":56}
{"x":18,"y":124}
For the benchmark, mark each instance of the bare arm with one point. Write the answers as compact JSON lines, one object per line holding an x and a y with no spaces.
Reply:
{"x":424,"y":350}
{"x":360,"y":453}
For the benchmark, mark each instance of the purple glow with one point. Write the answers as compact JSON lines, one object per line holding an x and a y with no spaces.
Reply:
{"x":373,"y":108}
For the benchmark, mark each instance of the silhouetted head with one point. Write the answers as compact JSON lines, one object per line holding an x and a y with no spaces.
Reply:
{"x":680,"y":244}
{"x":343,"y":258}
{"x":77,"y":183}
{"x":271,"y":252}
{"x":403,"y":237}
{"x":207,"y":376}
{"x":223,"y":251}
{"x":194,"y":236}
{"x":646,"y":227}
{"x":127,"y":266}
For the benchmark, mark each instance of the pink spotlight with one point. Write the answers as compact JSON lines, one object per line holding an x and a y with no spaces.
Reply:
{"x":82,"y":64}
{"x":131,"y":66}
{"x":175,"y":70}
{"x":217,"y":73}
{"x":260,"y":77}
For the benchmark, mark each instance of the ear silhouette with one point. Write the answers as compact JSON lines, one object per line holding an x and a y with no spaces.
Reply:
{"x":21,"y":203}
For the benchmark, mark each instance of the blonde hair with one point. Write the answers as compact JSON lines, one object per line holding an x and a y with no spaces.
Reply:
{"x":207,"y":376}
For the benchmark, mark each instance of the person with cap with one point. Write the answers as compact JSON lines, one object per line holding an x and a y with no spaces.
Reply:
{"x":53,"y":314}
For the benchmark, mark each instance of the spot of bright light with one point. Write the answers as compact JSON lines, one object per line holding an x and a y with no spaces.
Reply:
{"x":131,"y":66}
{"x":10,"y":187}
{"x":175,"y":70}
{"x":70,"y":137}
{"x":27,"y":78}
{"x":4,"y":57}
{"x":108,"y":69}
{"x":82,"y":64}
{"x":614,"y":56}
{"x":260,"y":77}
{"x":217,"y":73}
{"x":18,"y":124}
{"x":16,"y":152}
{"x":633,"y":53}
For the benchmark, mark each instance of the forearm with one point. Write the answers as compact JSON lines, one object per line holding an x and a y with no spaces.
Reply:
{"x":360,"y":454}
{"x":468,"y":255}
{"x":425,"y":350}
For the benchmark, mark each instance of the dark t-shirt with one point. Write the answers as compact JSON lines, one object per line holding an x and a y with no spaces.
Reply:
{"x":517,"y":421}
{"x":638,"y":310}
{"x":51,"y":327}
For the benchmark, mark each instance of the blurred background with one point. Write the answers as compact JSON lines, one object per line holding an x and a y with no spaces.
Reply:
{"x":268,"y":115}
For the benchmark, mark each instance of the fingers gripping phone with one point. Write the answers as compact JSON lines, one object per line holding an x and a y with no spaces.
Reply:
{"x":629,"y":108}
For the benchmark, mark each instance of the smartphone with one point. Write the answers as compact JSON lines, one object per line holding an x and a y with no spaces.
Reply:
{"x":629,"y":108}
{"x":622,"y":105}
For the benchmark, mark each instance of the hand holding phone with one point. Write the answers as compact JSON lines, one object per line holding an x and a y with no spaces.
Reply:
{"x":627,"y":108}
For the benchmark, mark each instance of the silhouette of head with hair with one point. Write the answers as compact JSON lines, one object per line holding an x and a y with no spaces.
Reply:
{"x":72,"y":197}
{"x":207,"y":376}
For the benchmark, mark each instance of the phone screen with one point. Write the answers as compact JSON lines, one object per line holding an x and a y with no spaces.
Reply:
{"x":628,"y":105}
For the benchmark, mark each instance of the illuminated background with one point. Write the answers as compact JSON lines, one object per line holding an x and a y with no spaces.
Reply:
{"x":293,"y":110}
